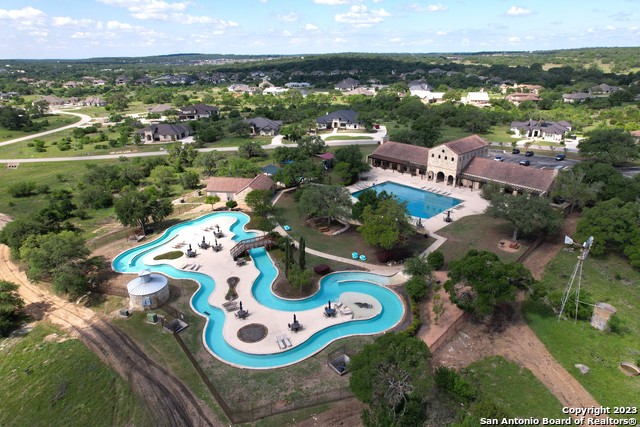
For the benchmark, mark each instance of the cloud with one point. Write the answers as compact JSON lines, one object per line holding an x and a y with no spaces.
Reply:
{"x":66,"y":21}
{"x":514,"y":39}
{"x":437,"y":8}
{"x":148,"y":9}
{"x":330,"y":2}
{"x":518,"y":11}
{"x":115,"y":25}
{"x":441,"y":33}
{"x":311,"y":27}
{"x":23,"y":19}
{"x":191,"y":19}
{"x":415,"y":8}
{"x":289,"y":17}
{"x":360,"y":16}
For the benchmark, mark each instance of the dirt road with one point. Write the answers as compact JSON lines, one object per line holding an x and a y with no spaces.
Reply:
{"x":169,"y":401}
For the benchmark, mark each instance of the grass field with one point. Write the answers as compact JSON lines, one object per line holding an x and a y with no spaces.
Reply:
{"x":54,"y":122}
{"x":610,"y":280}
{"x":342,"y":245}
{"x":480,"y":232}
{"x":347,"y":138}
{"x":48,"y":382}
{"x":513,"y":388}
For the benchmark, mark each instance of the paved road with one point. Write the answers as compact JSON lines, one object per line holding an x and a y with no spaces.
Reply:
{"x":83,"y":120}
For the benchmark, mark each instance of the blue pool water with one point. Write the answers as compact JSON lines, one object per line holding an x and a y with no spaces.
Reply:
{"x":331,"y":287}
{"x":421,"y":204}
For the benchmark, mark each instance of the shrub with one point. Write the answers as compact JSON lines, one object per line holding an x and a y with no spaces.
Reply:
{"x":451,"y":382}
{"x":231,"y":204}
{"x":22,"y":189}
{"x":322,"y":269}
{"x":436,"y":260}
{"x":417,"y":287}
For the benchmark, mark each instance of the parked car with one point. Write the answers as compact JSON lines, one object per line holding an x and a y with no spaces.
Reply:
{"x":515,"y":151}
{"x":529,"y":153}
{"x":499,"y":158}
{"x":560,"y":157}
{"x":525,"y":162}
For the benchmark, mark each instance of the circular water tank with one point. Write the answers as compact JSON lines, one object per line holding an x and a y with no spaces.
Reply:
{"x":148,"y":290}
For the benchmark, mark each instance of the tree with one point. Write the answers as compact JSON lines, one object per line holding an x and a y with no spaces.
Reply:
{"x":325,"y":201}
{"x":14,"y":118}
{"x":527,"y":214}
{"x":298,"y":277}
{"x":210,"y":162}
{"x":479,"y":281}
{"x":572,"y":187}
{"x":438,"y":307}
{"x":43,"y":254}
{"x":239,"y":128}
{"x":284,"y":154}
{"x":387,"y":225}
{"x":349,"y":163}
{"x":231,"y":204}
{"x":71,"y":279}
{"x":311,"y":145}
{"x":212,"y":200}
{"x":368,"y":197}
{"x":435,"y":260}
{"x":388,"y":375}
{"x":302,"y":254}
{"x":134,"y":208}
{"x":417,"y":287}
{"x":613,"y":225}
{"x":614,"y":146}
{"x":189,"y":180}
{"x":10,"y":306}
{"x":250,"y":149}
{"x":181,"y":155}
{"x":614,"y":184}
{"x":259,"y":201}
{"x":117,"y":101}
{"x":417,"y":266}
{"x":163,"y":177}
{"x":239,"y":168}
{"x":298,"y":172}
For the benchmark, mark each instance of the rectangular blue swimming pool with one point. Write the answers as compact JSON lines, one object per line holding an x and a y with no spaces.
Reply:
{"x":421,"y":203}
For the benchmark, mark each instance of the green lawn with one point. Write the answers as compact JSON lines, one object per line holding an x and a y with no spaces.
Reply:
{"x":62,"y":383}
{"x":513,"y":388}
{"x":55,"y":121}
{"x":341,"y":245}
{"x":480,"y":232}
{"x":347,"y":138}
{"x":611,"y":280}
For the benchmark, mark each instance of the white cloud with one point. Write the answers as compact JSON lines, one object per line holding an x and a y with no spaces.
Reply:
{"x":395,"y":39}
{"x":148,"y":9}
{"x":263,"y":1}
{"x":360,"y":16}
{"x":518,"y":11}
{"x":414,"y":7}
{"x":330,"y":2}
{"x":287,"y":33}
{"x":441,"y":33}
{"x":339,"y":40}
{"x":311,"y":27}
{"x":437,"y":8}
{"x":514,"y":39}
{"x":115,"y":25}
{"x":23,"y":19}
{"x":289,"y":17}
{"x":66,"y":21}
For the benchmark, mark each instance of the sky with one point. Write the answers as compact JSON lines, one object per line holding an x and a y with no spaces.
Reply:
{"x":67,"y":29}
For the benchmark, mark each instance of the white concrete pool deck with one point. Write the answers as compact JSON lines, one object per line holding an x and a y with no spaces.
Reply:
{"x":220,"y":266}
{"x":472,"y":202}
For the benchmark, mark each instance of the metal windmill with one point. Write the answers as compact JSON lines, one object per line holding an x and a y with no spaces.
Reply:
{"x":577,"y":272}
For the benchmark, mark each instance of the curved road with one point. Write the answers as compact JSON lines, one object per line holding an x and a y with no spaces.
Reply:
{"x":83,"y":120}
{"x":276,"y":142}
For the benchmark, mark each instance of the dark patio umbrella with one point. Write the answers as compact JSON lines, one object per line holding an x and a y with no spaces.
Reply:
{"x":240,"y":305}
{"x":189,"y":246}
{"x":329,"y":305}
{"x":294,"y":319}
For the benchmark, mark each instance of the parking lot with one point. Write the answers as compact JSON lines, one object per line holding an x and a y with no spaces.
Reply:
{"x":537,"y":160}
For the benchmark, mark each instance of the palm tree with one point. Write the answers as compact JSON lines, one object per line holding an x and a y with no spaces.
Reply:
{"x":572,"y":187}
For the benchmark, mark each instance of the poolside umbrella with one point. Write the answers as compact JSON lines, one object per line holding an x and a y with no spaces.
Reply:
{"x":218,"y":227}
{"x":329,"y":305}
{"x":240,"y":305}
{"x":202,"y":239}
{"x":294,"y":319}
{"x":189,"y":246}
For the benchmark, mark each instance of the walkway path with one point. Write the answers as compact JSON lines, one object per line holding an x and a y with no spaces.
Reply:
{"x":83,"y":120}
{"x":170,"y":402}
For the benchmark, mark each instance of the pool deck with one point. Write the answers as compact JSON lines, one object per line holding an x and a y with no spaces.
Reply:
{"x":472,"y":202}
{"x":220,"y":266}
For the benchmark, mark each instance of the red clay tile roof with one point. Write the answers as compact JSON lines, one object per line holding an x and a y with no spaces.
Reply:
{"x":262,"y":182}
{"x":538,"y":180}
{"x":466,"y":145}
{"x":405,"y":154}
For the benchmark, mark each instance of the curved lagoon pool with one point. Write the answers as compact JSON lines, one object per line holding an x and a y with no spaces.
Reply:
{"x":331,"y":287}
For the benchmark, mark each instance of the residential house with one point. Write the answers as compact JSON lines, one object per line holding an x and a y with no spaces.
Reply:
{"x":540,"y":129}
{"x":53,"y":101}
{"x":8,"y":95}
{"x":478,"y":99}
{"x":93,"y":102}
{"x":518,"y":97}
{"x":297,"y":85}
{"x":144,"y":80}
{"x":347,"y":84}
{"x":419,"y":85}
{"x":603,"y":89}
{"x":360,"y":91}
{"x":574,"y":98}
{"x":122,"y":80}
{"x":159,"y":109}
{"x":237,"y":188}
{"x":71,"y":84}
{"x":273,"y":90}
{"x":163,"y":133}
{"x":341,"y":119}
{"x":197,"y":111}
{"x":524,"y":88}
{"x":242,"y":88}
{"x":263,"y":126}
{"x":99,"y":82}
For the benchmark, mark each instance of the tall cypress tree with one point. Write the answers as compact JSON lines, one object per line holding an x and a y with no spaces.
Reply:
{"x":301,"y":260}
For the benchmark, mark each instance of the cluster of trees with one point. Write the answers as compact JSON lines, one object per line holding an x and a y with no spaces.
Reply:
{"x":10,"y":306}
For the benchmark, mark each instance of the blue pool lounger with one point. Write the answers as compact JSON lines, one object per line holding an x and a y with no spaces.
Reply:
{"x":354,"y":255}
{"x":286,"y":228}
{"x":363,"y":257}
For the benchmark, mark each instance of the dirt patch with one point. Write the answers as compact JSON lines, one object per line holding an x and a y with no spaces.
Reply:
{"x":4,"y":220}
{"x":168,"y":400}
{"x":344,"y":413}
{"x":252,"y":333}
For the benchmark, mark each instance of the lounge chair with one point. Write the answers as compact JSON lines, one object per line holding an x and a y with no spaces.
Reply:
{"x":346,"y":311}
{"x":281,"y":344}
{"x":287,"y":341}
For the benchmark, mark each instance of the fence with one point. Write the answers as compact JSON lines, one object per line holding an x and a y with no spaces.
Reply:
{"x":452,"y":329}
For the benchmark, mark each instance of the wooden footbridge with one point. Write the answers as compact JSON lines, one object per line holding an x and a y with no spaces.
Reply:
{"x":254,"y":242}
